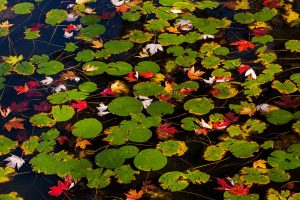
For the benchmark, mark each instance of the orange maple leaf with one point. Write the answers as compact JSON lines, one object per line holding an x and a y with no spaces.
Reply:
{"x":133,"y":194}
{"x":82,"y":143}
{"x":195,"y":75}
{"x":119,"y":87}
{"x":22,"y":89}
{"x":243,"y":45}
{"x":14,"y":123}
{"x":122,"y":9}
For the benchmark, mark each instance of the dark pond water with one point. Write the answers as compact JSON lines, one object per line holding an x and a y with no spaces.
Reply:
{"x":33,"y":186}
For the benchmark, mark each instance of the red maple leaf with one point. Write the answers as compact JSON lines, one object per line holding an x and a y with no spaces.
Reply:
{"x":288,"y":102}
{"x":165,"y":130}
{"x":243,"y":45}
{"x":272,"y":3}
{"x":20,"y":106}
{"x":243,"y":68}
{"x":34,"y":93}
{"x":234,"y":189}
{"x":63,"y":139}
{"x":107,"y":91}
{"x":230,"y":118}
{"x":61,"y":186}
{"x":70,"y":28}
{"x":22,"y":89}
{"x":131,"y":77}
{"x":260,"y":31}
{"x":186,"y":91}
{"x":80,"y":105}
{"x":33,"y":84}
{"x":42,"y":106}
{"x":36,"y":27}
{"x":146,"y":74}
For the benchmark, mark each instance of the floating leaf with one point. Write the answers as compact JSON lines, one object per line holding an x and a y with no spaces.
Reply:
{"x":42,"y":120}
{"x":125,"y":174}
{"x":92,"y":31}
{"x":88,"y":87}
{"x":214,"y":153}
{"x":5,"y":173}
{"x":174,"y":181}
{"x":87,"y":128}
{"x":56,"y":16}
{"x":50,"y":68}
{"x":160,"y":108}
{"x":6,"y":145}
{"x":63,"y":113}
{"x":243,"y":149}
{"x":118,"y":46}
{"x":279,"y":117}
{"x":150,"y":160}
{"x":124,"y":106}
{"x":278,"y":175}
{"x":24,"y":68}
{"x":85,"y":55}
{"x":147,"y":89}
{"x":129,"y":151}
{"x":199,"y":106}
{"x":119,"y":68}
{"x":283,"y":160}
{"x":98,"y":179}
{"x":110,"y":158}
{"x":172,"y":147}
{"x":97,"y":66}
{"x":23,"y":8}
{"x":30,"y":145}
{"x":287,"y":87}
{"x":293,"y":45}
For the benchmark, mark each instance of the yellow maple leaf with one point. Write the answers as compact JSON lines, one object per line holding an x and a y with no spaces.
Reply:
{"x":119,"y":87}
{"x":97,"y":44}
{"x":246,"y":110}
{"x":5,"y":24}
{"x":89,"y":68}
{"x":12,"y":59}
{"x":290,"y":15}
{"x":82,"y":1}
{"x":168,"y":87}
{"x":195,"y":75}
{"x":172,"y":29}
{"x":243,"y":4}
{"x":260,"y":164}
{"x":158,"y":78}
{"x":259,"y":25}
{"x":82,"y":143}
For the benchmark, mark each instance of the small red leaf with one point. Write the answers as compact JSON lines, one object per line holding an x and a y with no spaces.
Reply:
{"x":80,"y":105}
{"x":243,"y":45}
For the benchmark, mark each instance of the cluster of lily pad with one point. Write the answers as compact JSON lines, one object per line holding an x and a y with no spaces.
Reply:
{"x":171,"y":78}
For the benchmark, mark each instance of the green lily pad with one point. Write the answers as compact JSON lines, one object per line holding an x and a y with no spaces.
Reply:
{"x":110,"y":158}
{"x":6,"y":145}
{"x":37,"y":59}
{"x":117,"y":46}
{"x":52,"y":134}
{"x":293,"y":45}
{"x":197,"y":177}
{"x":150,"y":160}
{"x":56,"y":16}
{"x":62,"y":113}
{"x":138,"y":36}
{"x":225,"y":90}
{"x":92,"y":31}
{"x":265,"y":14}
{"x":42,"y":120}
{"x":287,"y":87}
{"x":139,"y":134}
{"x":97,"y":178}
{"x":189,"y":124}
{"x":147,"y":89}
{"x":88,"y":87}
{"x":129,"y":151}
{"x":199,"y":106}
{"x":124,"y":106}
{"x":172,"y":147}
{"x":244,"y":18}
{"x":100,"y":68}
{"x":252,"y":176}
{"x":243,"y":149}
{"x":23,"y":8}
{"x":173,"y":181}
{"x":147,"y":66}
{"x":118,"y":68}
{"x":125,"y":174}
{"x":89,"y":19}
{"x":5,"y":173}
{"x":166,"y":39}
{"x":131,"y":16}
{"x":214,"y":153}
{"x":29,"y":146}
{"x":160,"y":108}
{"x":283,"y":160}
{"x":279,"y":117}
{"x":278,"y":175}
{"x":24,"y":68}
{"x":50,"y":68}
{"x":70,"y":47}
{"x":85,"y":55}
{"x":87,"y":128}
{"x":10,"y":196}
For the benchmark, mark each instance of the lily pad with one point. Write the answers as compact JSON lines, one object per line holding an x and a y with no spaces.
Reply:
{"x":63,"y":113}
{"x":92,"y":31}
{"x":98,"y":178}
{"x":23,"y":8}
{"x":243,"y":149}
{"x":287,"y":87}
{"x":97,"y":66}
{"x":172,"y":147}
{"x":24,"y":68}
{"x":278,"y":175}
{"x":147,"y":89}
{"x":88,"y":87}
{"x":293,"y":45}
{"x":110,"y":158}
{"x":50,"y":68}
{"x":118,"y":68}
{"x":224,"y":90}
{"x":125,"y":174}
{"x":173,"y":181}
{"x":56,"y":16}
{"x":214,"y":153}
{"x":6,"y":145}
{"x":160,"y":108}
{"x":87,"y":128}
{"x":124,"y":106}
{"x":279,"y":117}
{"x":129,"y":151}
{"x":199,"y":106}
{"x":282,"y":160}
{"x":147,"y":66}
{"x":42,"y":120}
{"x":118,"y":46}
{"x":150,"y":160}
